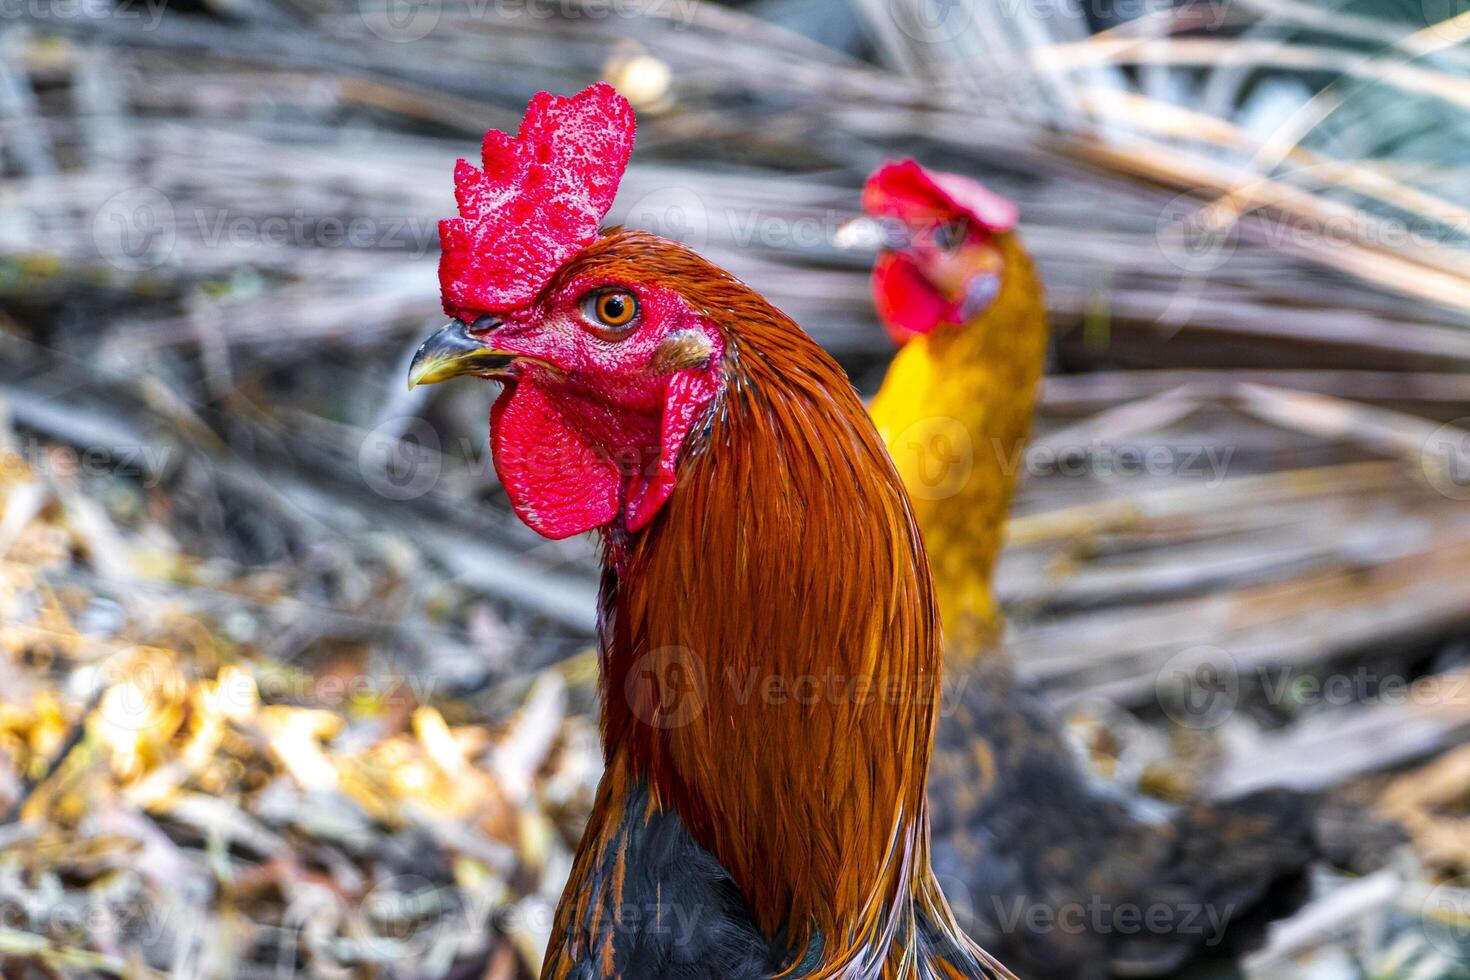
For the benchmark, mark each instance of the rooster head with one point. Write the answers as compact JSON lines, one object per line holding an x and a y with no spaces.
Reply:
{"x":938,"y":262}
{"x":605,"y":365}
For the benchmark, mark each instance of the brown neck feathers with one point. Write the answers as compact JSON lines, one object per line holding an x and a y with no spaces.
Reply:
{"x":771,"y":649}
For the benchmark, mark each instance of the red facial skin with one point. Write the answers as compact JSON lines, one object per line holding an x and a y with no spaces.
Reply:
{"x":588,"y":431}
{"x":950,"y":222}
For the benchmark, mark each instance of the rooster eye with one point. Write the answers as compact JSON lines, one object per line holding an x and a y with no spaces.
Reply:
{"x":611,"y":308}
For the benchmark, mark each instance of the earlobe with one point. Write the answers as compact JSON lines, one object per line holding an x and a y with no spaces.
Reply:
{"x":680,"y":351}
{"x":686,"y":399}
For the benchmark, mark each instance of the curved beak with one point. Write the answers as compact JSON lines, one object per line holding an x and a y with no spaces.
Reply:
{"x":868,"y":233}
{"x":451,"y":352}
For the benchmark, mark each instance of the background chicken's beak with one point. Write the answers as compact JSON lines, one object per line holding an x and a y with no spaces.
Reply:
{"x":867,"y":233}
{"x":451,"y":352}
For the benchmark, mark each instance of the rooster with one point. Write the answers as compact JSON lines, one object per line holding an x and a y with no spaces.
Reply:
{"x":1015,"y":821}
{"x":768,"y":639}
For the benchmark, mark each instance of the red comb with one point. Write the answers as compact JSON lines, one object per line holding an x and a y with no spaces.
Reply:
{"x":537,"y":202}
{"x":907,"y":191}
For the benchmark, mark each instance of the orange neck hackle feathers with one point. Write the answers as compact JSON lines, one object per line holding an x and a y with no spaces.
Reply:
{"x":784,"y":587}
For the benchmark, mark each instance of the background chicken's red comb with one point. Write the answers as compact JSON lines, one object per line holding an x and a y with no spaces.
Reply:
{"x":537,"y":202}
{"x":909,"y":192}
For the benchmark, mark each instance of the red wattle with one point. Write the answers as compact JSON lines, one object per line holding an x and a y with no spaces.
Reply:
{"x":558,"y":482}
{"x":569,"y":465}
{"x":907,"y":304}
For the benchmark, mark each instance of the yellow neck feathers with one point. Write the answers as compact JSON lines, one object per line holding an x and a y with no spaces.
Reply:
{"x":955,"y":410}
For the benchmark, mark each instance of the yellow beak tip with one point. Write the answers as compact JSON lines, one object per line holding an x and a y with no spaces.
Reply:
{"x":452,"y":352}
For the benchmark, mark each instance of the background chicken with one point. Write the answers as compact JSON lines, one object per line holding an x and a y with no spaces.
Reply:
{"x":655,"y":399}
{"x":1017,"y":820}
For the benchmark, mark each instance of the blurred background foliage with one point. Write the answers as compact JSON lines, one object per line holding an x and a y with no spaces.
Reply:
{"x":286,"y":690}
